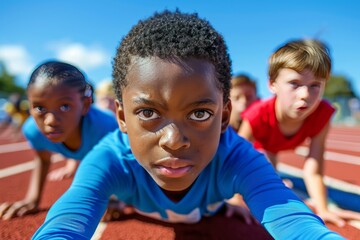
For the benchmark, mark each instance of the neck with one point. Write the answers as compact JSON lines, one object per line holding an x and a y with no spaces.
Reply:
{"x":175,"y":196}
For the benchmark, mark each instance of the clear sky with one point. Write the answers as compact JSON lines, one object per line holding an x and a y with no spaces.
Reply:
{"x":86,"y":33}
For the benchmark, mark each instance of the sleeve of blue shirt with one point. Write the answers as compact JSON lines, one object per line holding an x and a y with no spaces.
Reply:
{"x":76,"y":214}
{"x":278,"y":209}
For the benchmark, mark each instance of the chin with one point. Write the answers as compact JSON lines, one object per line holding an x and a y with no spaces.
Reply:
{"x":174,"y":186}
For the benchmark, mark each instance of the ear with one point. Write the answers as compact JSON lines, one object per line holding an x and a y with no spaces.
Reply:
{"x":226,"y":115}
{"x":272,"y":86}
{"x":120,"y":116}
{"x":86,"y":107}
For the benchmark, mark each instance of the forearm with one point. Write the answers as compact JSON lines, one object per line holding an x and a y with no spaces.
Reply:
{"x":316,"y":189}
{"x":295,"y":216}
{"x":37,"y":180}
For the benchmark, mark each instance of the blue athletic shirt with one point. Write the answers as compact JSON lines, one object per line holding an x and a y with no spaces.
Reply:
{"x":95,"y":125}
{"x":236,"y":168}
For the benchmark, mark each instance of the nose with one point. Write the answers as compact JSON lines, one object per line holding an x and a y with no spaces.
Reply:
{"x":303,"y":92}
{"x":50,"y":119}
{"x":172,"y":138}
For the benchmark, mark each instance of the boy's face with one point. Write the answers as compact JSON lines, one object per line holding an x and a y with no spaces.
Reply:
{"x":174,"y":115}
{"x":298,"y":94}
{"x":242,"y":96}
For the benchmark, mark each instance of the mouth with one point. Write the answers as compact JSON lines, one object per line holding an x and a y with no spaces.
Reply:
{"x":53,"y":134}
{"x":303,"y":108}
{"x":173,"y":167}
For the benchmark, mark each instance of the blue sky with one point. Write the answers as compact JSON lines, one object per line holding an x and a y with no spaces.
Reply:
{"x":86,"y":33}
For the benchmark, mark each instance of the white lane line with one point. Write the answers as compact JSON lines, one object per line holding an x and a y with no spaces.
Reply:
{"x":99,"y":231}
{"x":331,"y":156}
{"x":23,"y":167}
{"x":329,"y":181}
{"x":343,"y":145}
{"x":14,"y":147}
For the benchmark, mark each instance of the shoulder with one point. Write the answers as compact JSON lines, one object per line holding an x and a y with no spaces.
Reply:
{"x":258,"y":107}
{"x":326,"y":106}
{"x":232,"y":144}
{"x":30,"y":129}
{"x":260,"y":113}
{"x":100,"y":113}
{"x":33,"y":134}
{"x":323,"y":112}
{"x":95,"y":116}
{"x":116,"y":142}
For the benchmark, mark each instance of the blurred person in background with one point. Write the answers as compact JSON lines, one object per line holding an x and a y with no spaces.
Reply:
{"x":104,"y":99}
{"x":17,"y":111}
{"x":63,"y":120}
{"x":243,"y":93}
{"x":298,"y":73}
{"x":105,"y":96}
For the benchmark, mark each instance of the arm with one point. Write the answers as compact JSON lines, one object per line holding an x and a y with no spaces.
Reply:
{"x":235,"y":120}
{"x":245,"y":131}
{"x":278,"y":209}
{"x":76,"y":214}
{"x":31,"y":202}
{"x":64,"y":172}
{"x":313,"y":177}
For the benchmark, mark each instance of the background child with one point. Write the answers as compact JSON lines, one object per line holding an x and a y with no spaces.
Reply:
{"x":242,"y":94}
{"x":105,"y":96}
{"x":174,"y":157}
{"x":104,"y":99}
{"x":62,"y":120}
{"x":17,"y":111}
{"x":298,"y":72}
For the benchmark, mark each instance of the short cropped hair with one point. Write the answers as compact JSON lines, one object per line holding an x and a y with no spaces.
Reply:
{"x":170,"y":36}
{"x":299,"y":55}
{"x":242,"y":79}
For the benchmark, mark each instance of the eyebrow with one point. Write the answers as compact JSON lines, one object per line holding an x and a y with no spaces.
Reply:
{"x":202,"y":102}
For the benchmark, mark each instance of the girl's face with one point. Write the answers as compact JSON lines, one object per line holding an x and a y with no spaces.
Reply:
{"x":57,"y":110}
{"x":298,"y":94}
{"x":174,"y":115}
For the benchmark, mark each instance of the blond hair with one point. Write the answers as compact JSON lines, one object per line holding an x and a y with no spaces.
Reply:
{"x":105,"y":88}
{"x":300,"y":55}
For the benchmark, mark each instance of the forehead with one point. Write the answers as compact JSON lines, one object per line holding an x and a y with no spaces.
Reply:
{"x":154,"y":68}
{"x":156,"y":65}
{"x":165,"y":79}
{"x":291,"y":74}
{"x":51,"y":91}
{"x":241,"y":89}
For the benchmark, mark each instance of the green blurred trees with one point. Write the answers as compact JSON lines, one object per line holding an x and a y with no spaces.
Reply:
{"x":7,"y":82}
{"x":338,"y":87}
{"x":339,"y":92}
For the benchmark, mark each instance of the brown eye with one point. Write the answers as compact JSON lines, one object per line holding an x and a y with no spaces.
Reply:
{"x":200,"y":115}
{"x":147,"y":114}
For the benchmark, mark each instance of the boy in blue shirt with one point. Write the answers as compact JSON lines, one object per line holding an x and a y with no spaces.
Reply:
{"x":174,"y":157}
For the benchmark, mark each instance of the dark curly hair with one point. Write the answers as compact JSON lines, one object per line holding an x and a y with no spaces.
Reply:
{"x":173,"y":35}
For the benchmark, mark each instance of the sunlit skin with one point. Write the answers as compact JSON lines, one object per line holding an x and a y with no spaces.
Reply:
{"x":173,"y":134}
{"x":58,"y":110}
{"x":298,"y":95}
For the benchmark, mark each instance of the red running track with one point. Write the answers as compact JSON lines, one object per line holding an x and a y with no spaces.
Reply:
{"x":14,"y":181}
